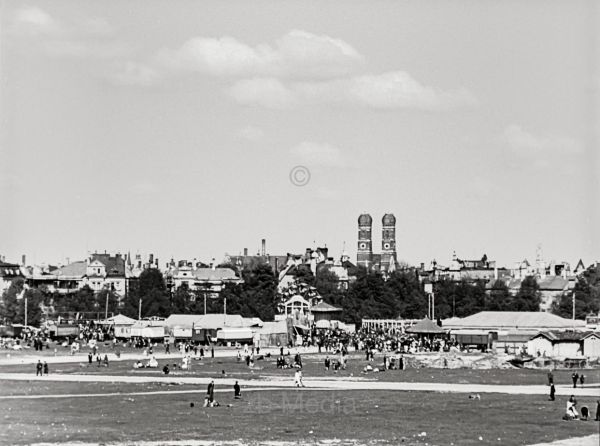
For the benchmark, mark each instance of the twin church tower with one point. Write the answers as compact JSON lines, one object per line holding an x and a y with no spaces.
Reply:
{"x":386,"y":261}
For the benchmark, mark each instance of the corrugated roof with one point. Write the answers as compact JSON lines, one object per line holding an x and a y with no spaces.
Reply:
{"x":514,"y":319}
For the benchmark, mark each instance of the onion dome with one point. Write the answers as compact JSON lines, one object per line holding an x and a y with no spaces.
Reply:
{"x":388,"y":220}
{"x":365,"y":220}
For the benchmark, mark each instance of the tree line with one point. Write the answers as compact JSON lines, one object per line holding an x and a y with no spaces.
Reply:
{"x":370,"y":295}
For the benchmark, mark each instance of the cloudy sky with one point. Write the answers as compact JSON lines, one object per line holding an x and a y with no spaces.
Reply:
{"x":172,"y":127}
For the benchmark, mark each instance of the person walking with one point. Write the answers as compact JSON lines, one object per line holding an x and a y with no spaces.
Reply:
{"x":552,"y":392}
{"x":237,"y":391}
{"x":581,"y":379}
{"x":90,"y":358}
{"x":210,"y":392}
{"x":550,"y":378}
{"x":575,"y":377}
{"x":38,"y":368}
{"x":298,"y":379}
{"x":45,"y":368}
{"x":212,"y":351}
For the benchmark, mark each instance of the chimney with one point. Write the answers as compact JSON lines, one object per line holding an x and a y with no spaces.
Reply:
{"x":23,"y":260}
{"x":151,"y":259}
{"x":263,"y":247}
{"x":156,"y":262}
{"x":213,"y":264}
{"x":195,"y":264}
{"x":245,"y":252}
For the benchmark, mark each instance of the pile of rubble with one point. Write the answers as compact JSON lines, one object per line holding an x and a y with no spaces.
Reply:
{"x":454,"y":360}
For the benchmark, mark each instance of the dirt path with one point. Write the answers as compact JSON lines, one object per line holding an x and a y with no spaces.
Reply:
{"x":319,"y":383}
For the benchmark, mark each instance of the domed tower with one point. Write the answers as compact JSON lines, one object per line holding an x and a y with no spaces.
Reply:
{"x":388,"y":242}
{"x":364,"y":256}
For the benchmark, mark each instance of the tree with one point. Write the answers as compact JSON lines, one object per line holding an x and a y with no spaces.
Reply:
{"x":259,"y":292}
{"x":81,"y":301}
{"x":528,"y":298}
{"x":411,"y":299}
{"x":152,"y":291}
{"x":35,"y":298}
{"x":9,"y":307}
{"x":586,"y":293}
{"x":500,"y":297}
{"x":255,"y":297}
{"x":104,"y":296}
{"x":327,"y":285}
{"x":181,"y":302}
{"x":368,"y":297}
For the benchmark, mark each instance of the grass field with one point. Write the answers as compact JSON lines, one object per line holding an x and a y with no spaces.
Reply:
{"x":100,"y":412}
{"x":313,"y":367}
{"x":293,"y":415}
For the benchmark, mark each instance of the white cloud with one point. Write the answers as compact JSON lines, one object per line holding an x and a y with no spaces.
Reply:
{"x":35,"y":20}
{"x":319,"y":154}
{"x":397,"y":89}
{"x":133,"y":73}
{"x":528,"y":145}
{"x":264,"y":92}
{"x":296,"y":54}
{"x":391,"y":90}
{"x":251,"y":133}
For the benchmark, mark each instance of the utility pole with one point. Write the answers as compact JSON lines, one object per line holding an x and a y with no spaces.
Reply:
{"x":25,"y":311}
{"x":224,"y":311}
{"x":140,"y":310}
{"x":573,"y":308}
{"x":106,"y":308}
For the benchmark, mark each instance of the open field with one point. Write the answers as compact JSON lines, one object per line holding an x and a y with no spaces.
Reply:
{"x":313,"y":367}
{"x":289,"y":415}
{"x":119,"y":404}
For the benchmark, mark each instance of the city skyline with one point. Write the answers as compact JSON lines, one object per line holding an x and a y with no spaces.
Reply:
{"x":174,"y":130}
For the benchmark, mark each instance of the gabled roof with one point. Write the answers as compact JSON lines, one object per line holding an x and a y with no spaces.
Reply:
{"x":562,"y":336}
{"x":592,"y":334}
{"x":324,"y":307}
{"x":425,"y":326}
{"x":516,"y":319}
{"x":121,"y":319}
{"x":72,"y":270}
{"x":115,"y":265}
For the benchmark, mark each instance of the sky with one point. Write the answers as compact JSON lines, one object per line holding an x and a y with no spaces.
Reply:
{"x":174,"y":128}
